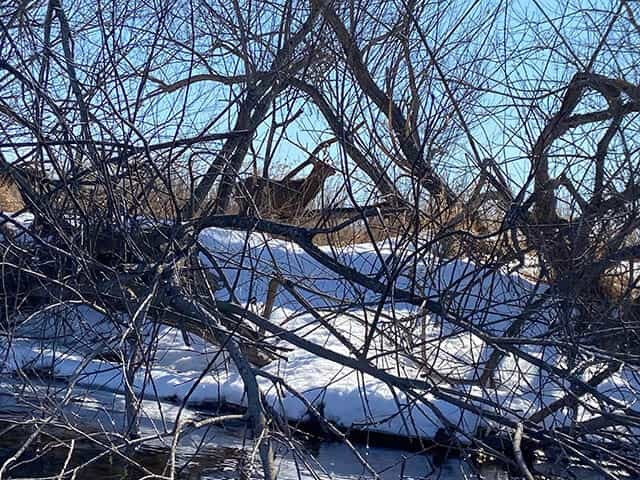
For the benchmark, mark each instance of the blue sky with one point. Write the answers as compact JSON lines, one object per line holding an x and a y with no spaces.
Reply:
{"x":534,"y":48}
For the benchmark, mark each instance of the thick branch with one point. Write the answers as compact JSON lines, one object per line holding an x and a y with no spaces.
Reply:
{"x":380,"y":179}
{"x":414,"y":161}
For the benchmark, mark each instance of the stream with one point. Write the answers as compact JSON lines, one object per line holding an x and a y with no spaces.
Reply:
{"x":214,"y":453}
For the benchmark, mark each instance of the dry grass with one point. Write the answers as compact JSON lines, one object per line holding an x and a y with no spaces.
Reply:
{"x":380,"y":228}
{"x":376,"y":229}
{"x":10,"y":198}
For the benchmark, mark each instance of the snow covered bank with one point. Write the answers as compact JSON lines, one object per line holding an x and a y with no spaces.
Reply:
{"x":199,"y":373}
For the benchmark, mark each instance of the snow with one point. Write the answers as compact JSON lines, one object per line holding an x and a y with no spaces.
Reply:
{"x":200,"y":373}
{"x":16,"y":226}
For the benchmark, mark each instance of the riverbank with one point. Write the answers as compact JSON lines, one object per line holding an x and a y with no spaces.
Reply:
{"x":61,"y":343}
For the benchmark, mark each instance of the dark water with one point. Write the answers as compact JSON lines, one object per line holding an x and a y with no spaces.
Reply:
{"x":216,"y":453}
{"x":210,"y":462}
{"x":47,"y":458}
